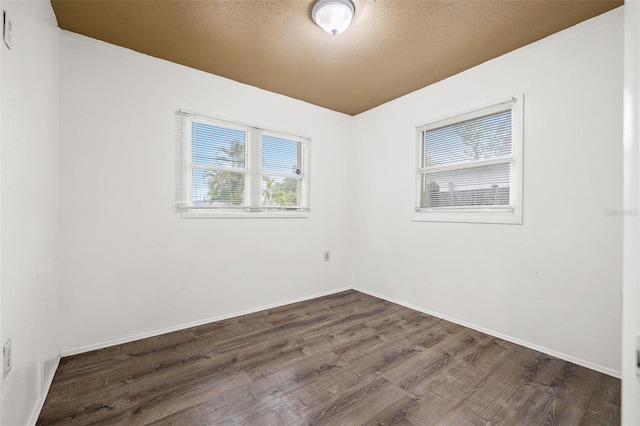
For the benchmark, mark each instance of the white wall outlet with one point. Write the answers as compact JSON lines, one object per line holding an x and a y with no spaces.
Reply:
{"x":6,"y":358}
{"x":7,"y":29}
{"x":327,"y":256}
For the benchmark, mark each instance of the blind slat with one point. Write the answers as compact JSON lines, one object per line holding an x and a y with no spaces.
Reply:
{"x":476,"y":139}
{"x":282,"y":183}
{"x":467,"y":164}
{"x":224,"y":165}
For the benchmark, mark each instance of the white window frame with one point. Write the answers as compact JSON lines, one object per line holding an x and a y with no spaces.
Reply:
{"x":252,"y":170}
{"x":304,"y":188}
{"x":511,"y":214}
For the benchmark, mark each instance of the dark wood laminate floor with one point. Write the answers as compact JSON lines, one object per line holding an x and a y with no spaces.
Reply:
{"x":345,"y":359}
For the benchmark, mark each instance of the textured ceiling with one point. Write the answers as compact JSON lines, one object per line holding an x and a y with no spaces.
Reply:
{"x":392,"y":47}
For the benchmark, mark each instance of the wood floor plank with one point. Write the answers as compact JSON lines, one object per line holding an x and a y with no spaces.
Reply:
{"x":244,"y":405}
{"x":304,"y":371}
{"x":344,"y":359}
{"x":385,"y":358}
{"x":355,"y":404}
{"x":325,"y":391}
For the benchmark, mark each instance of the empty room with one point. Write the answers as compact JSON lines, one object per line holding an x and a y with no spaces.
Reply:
{"x":328,"y":212}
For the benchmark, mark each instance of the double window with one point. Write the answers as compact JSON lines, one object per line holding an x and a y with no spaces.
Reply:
{"x":228,"y":169}
{"x":469,"y":167}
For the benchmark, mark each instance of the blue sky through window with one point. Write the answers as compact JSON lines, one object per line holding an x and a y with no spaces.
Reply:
{"x":212,"y":145}
{"x":280,"y":155}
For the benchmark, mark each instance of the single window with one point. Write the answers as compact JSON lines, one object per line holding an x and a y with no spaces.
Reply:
{"x":283,"y":179}
{"x":469,"y":167}
{"x":232,"y":170}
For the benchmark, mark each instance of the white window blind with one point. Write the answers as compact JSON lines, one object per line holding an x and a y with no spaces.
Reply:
{"x":224,"y":166}
{"x":219,"y":165}
{"x":471,"y":165}
{"x":283,"y":175}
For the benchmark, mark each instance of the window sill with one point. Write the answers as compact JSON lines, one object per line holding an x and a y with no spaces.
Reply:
{"x":475,"y":216}
{"x":208,"y":214}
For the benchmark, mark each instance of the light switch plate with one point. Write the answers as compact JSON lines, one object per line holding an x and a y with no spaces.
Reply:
{"x":7,"y":29}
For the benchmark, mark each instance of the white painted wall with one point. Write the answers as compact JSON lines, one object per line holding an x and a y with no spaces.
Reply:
{"x":131,"y":265}
{"x":553,"y":282}
{"x":29,"y":206}
{"x":631,"y":247}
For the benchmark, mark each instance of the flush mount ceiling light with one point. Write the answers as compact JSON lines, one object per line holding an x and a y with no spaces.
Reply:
{"x":333,"y":16}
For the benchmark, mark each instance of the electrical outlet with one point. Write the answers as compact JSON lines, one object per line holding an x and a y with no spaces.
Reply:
{"x":327,"y":256}
{"x":7,"y":29}
{"x":6,"y":358}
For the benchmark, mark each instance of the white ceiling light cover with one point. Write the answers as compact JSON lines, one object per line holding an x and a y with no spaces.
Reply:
{"x":333,"y":16}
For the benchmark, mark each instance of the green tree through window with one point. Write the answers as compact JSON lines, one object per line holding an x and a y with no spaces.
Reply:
{"x":226,"y":186}
{"x":240,"y":169}
{"x":285,"y":193}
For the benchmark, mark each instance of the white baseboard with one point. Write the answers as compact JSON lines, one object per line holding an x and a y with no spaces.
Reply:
{"x":152,"y":333}
{"x":33,"y":419}
{"x":560,"y":355}
{"x":126,"y":339}
{"x":144,"y":335}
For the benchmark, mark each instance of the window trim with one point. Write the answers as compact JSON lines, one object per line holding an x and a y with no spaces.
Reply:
{"x":253,"y":172}
{"x":470,"y":214}
{"x":305,"y":162}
